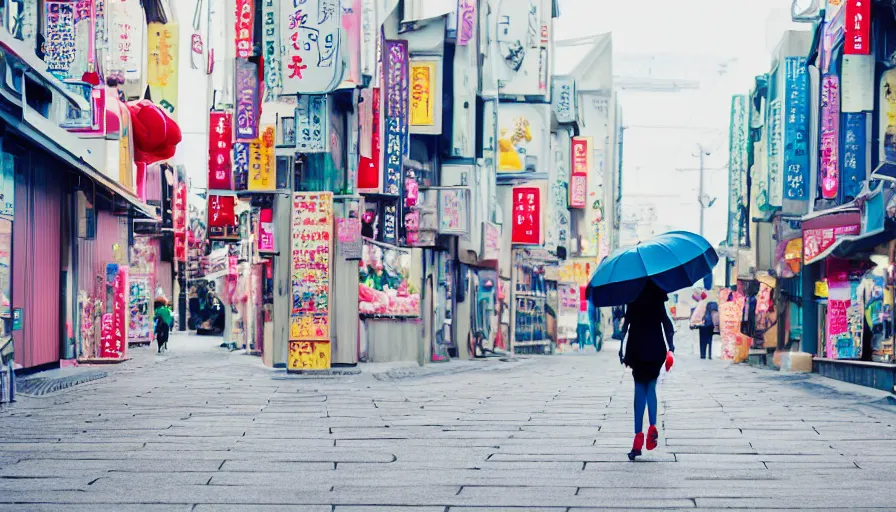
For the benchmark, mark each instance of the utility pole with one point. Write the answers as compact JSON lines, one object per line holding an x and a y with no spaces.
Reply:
{"x":701,"y":152}
{"x":702,"y":201}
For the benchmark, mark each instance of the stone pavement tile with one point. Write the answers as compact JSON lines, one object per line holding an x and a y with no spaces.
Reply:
{"x":841,"y":501}
{"x":262,"y":508}
{"x":499,"y":509}
{"x":67,"y":468}
{"x":484,"y":493}
{"x":388,"y":508}
{"x":71,"y":507}
{"x":286,"y":467}
{"x":584,"y":457}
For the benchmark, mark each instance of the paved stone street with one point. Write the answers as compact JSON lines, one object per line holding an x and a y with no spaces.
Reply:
{"x":206,"y":430}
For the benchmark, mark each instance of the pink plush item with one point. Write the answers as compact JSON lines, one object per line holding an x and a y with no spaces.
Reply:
{"x":156,"y":135}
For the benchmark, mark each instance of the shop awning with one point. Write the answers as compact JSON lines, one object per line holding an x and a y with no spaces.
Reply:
{"x":68,"y":148}
{"x":849,"y":246}
{"x":870,"y":218}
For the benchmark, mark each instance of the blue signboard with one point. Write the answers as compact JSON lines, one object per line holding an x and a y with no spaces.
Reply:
{"x":855,"y":154}
{"x":796,"y":129}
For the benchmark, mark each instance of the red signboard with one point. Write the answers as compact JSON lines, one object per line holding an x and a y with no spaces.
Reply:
{"x":581,"y":167}
{"x":221,"y":211}
{"x":179,"y":217}
{"x":526,"y":216}
{"x":857,"y":28}
{"x":369,"y":166}
{"x":245,"y":23}
{"x":816,"y":241}
{"x":266,"y":230}
{"x":113,"y":328}
{"x":220,"y":145}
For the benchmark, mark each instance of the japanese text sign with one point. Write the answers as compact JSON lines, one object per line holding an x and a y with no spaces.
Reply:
{"x":245,"y":27}
{"x":348,"y":231}
{"x":162,"y":65}
{"x":312,"y":228}
{"x":126,"y":27}
{"x":311,"y":33}
{"x":857,"y":28}
{"x":221,"y":211}
{"x":581,"y":168}
{"x":527,"y":229}
{"x":220,"y":143}
{"x":830,"y":136}
{"x":817,"y":241}
{"x":312,"y":118}
{"x":60,"y":47}
{"x":423,"y":93}
{"x":775,"y":154}
{"x":395,"y":101}
{"x":796,"y":129}
{"x":262,"y":161}
{"x":266,"y":230}
{"x":855,"y":154}
{"x":564,"y":99}
{"x":308,"y":356}
{"x":466,"y":21}
{"x":247,"y":101}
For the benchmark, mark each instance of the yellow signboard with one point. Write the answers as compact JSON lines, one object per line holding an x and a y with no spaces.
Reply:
{"x":161,"y":66}
{"x":125,"y":152}
{"x":423,"y":95}
{"x":308,"y":355}
{"x":262,"y":161}
{"x":578,"y":271}
{"x":821,"y":289}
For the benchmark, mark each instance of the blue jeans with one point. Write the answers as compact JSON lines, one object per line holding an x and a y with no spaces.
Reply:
{"x":645,"y":396}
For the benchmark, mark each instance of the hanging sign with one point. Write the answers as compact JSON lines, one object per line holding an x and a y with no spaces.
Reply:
{"x":271,"y":46}
{"x":240,"y":166}
{"x":311,"y":33}
{"x":312,"y":119}
{"x":390,"y":223}
{"x":453,"y":212}
{"x":60,"y":46}
{"x":179,"y":216}
{"x":388,"y":284}
{"x":370,"y":39}
{"x":855,"y":154}
{"x":266,"y":231}
{"x":796,"y":129}
{"x":564,"y":99}
{"x":262,"y":161}
{"x":221,"y":212}
{"x":817,"y":241}
{"x":830,"y":136}
{"x":466,"y":21}
{"x":423,"y":92}
{"x":220,"y":137}
{"x":247,"y":101}
{"x":857,"y":28}
{"x":348,"y":233}
{"x":351,"y":23}
{"x":369,"y":173}
{"x":581,"y":167}
{"x":491,"y":241}
{"x":737,"y":165}
{"x":395,"y":110}
{"x":312,"y":228}
{"x":113,"y":334}
{"x":161,"y":75}
{"x":139,"y":309}
{"x":126,"y":28}
{"x":527,"y":229}
{"x":245,"y":27}
{"x":857,"y":83}
{"x":775,"y":154}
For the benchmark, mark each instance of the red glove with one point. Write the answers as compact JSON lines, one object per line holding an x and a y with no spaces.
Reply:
{"x":670,"y":360}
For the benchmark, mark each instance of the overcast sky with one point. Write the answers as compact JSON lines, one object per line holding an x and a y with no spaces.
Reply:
{"x":696,"y":40}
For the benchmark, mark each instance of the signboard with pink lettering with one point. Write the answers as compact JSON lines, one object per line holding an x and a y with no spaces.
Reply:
{"x":312,"y":57}
{"x":395,"y":114}
{"x":126,"y":28}
{"x":245,"y":28}
{"x":466,"y":21}
{"x":114,"y":332}
{"x":830,"y":136}
{"x":266,"y":231}
{"x":817,"y":241}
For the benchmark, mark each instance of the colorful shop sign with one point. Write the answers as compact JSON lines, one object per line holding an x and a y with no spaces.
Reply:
{"x":466,"y":21}
{"x":348,"y":234}
{"x":523,"y":137}
{"x":220,"y":137}
{"x":161,"y":67}
{"x":388,"y":286}
{"x":857,"y":28}
{"x":126,"y":28}
{"x":818,"y":240}
{"x":222,"y":221}
{"x":369,"y":168}
{"x":454,"y":212}
{"x":581,"y":167}
{"x":245,"y":28}
{"x":395,"y":114}
{"x":855,"y":154}
{"x":830,"y":136}
{"x":308,"y":356}
{"x":266,"y":242}
{"x":425,"y":97}
{"x":247,"y":101}
{"x":312,"y":118}
{"x":796,"y":129}
{"x":140,"y":309}
{"x":312,"y":247}
{"x":60,"y":47}
{"x":526,"y":216}
{"x":737,"y":166}
{"x":311,"y":33}
{"x":262,"y":161}
{"x":271,"y":46}
{"x":491,"y":241}
{"x":114,"y":334}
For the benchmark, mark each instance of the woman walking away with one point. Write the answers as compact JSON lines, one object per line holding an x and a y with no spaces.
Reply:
{"x":709,"y":329}
{"x":164,"y":322}
{"x":649,"y":331}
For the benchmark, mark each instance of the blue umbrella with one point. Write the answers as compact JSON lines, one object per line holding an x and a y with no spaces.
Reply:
{"x":673,"y":261}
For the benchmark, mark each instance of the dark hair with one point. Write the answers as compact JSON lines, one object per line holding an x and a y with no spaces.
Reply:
{"x":650,"y":302}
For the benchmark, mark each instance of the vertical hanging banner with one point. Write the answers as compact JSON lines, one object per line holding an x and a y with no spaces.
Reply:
{"x":271,"y":46}
{"x":179,"y":214}
{"x":466,"y":21}
{"x":563,"y":99}
{"x":312,"y":119}
{"x":126,"y":28}
{"x":395,"y":110}
{"x":85,"y":39}
{"x":369,"y":169}
{"x":775,"y":154}
{"x":390,"y":223}
{"x":247,"y":101}
{"x":60,"y":45}
{"x":240,"y":166}
{"x":829,"y":168}
{"x":425,"y":107}
{"x":581,"y":167}
{"x":312,"y":228}
{"x":311,"y":33}
{"x":351,"y":23}
{"x":220,"y":136}
{"x":222,"y":220}
{"x":857,"y":83}
{"x":100,"y":31}
{"x":527,"y":222}
{"x":262,"y":162}
{"x":161,"y":69}
{"x":857,"y":28}
{"x":737,"y":165}
{"x":796,"y":129}
{"x":266,"y":231}
{"x":855,"y":154}
{"x":245,"y":28}
{"x":370,"y":40}
{"x":113,"y":334}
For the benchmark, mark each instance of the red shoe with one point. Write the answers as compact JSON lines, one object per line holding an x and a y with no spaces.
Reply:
{"x":636,"y":447}
{"x":652,"y":437}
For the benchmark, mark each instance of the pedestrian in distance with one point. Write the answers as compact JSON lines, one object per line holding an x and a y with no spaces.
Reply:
{"x":647,"y":346}
{"x":164,"y":322}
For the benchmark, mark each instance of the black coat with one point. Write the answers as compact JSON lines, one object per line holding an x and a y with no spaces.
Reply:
{"x":649,"y":332}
